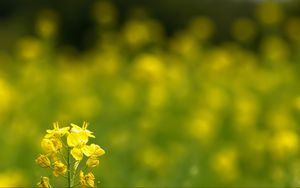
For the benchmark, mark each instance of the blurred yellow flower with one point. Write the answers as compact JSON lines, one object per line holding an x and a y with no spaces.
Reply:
{"x":138,"y":33}
{"x":275,"y":49}
{"x":296,"y":103}
{"x":154,"y":159}
{"x":157,"y":96}
{"x":243,"y":29}
{"x":203,"y":126}
{"x":7,"y":96}
{"x":128,"y":96}
{"x":278,"y":174}
{"x":284,"y":144}
{"x":46,"y":25}
{"x":185,"y":45}
{"x":224,"y":163}
{"x":12,"y":178}
{"x":219,"y":59}
{"x":29,"y":48}
{"x":293,"y":29}
{"x":104,"y":13}
{"x":149,"y":67}
{"x":246,"y":110}
{"x":202,"y":28}
{"x":269,"y":13}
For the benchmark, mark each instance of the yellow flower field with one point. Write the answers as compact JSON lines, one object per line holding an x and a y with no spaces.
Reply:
{"x":174,"y":110}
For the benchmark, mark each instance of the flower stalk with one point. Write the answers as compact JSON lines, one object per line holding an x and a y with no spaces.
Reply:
{"x":69,"y":170}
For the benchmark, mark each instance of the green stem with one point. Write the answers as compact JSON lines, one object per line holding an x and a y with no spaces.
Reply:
{"x":76,"y":185}
{"x":76,"y":164}
{"x":69,"y":170}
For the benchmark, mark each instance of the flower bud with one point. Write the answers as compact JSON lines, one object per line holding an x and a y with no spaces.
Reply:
{"x":43,"y":161}
{"x":44,"y":183}
{"x":92,"y":162}
{"x":99,"y":151}
{"x":51,"y":145}
{"x":47,"y":145}
{"x":86,"y":180}
{"x":59,"y":168}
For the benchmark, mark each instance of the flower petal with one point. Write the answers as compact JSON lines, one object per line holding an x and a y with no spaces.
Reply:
{"x":72,"y":140}
{"x":77,"y":154}
{"x":99,"y":151}
{"x":87,"y":150}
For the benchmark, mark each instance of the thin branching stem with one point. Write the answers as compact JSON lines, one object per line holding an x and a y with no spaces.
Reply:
{"x":69,"y":170}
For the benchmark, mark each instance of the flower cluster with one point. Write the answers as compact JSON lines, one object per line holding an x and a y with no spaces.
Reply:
{"x":63,"y":151}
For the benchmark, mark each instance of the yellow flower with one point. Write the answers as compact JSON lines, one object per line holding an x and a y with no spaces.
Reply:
{"x":43,"y":161}
{"x":78,"y":142}
{"x":54,"y":157}
{"x":92,"y":162}
{"x":77,"y":154}
{"x":44,"y":183}
{"x":59,"y":168}
{"x":81,"y":178}
{"x":57,"y":132}
{"x":87,"y":180}
{"x":47,"y":145}
{"x":83,"y":130}
{"x":78,"y":139}
{"x":90,"y":178}
{"x":51,"y":145}
{"x":93,"y":150}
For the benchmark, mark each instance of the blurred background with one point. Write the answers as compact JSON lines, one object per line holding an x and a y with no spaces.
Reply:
{"x":179,"y":93}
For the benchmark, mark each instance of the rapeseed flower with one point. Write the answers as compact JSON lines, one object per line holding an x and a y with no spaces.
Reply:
{"x":78,"y":139}
{"x":44,"y":183}
{"x":92,"y":162}
{"x":82,"y":130}
{"x":43,"y":161}
{"x":87,"y":180}
{"x":78,"y":143}
{"x":93,"y":150}
{"x":51,"y":145}
{"x":59,"y":168}
{"x":57,"y":132}
{"x":55,"y":149}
